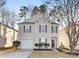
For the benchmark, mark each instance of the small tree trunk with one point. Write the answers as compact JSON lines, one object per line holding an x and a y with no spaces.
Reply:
{"x":71,"y":51}
{"x":72,"y":48}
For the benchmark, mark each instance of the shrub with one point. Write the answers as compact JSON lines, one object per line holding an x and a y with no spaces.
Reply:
{"x":16,"y":44}
{"x":46,"y":45}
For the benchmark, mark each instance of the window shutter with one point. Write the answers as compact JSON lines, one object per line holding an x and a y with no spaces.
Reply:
{"x":52,"y":29}
{"x":30,"y":29}
{"x":24,"y":29}
{"x":46,"y":28}
{"x":56,"y":29}
{"x":39,"y":28}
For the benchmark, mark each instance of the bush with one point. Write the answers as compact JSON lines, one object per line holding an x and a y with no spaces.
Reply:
{"x":16,"y":44}
{"x":38,"y":45}
{"x":46,"y":45}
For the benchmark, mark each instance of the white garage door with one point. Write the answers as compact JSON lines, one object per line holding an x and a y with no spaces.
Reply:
{"x":27,"y":44}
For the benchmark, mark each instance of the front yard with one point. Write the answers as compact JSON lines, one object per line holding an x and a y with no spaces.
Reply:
{"x":50,"y":54}
{"x":6,"y":51}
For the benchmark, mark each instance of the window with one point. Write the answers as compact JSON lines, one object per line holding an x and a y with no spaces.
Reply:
{"x":45,"y":40}
{"x":42,"y":28}
{"x":27,"y":29}
{"x":45,"y":28}
{"x":54,"y":29}
{"x":39,"y":28}
{"x":39,"y":40}
{"x":24,"y":29}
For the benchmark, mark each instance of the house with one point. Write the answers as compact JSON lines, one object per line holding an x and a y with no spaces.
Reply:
{"x":7,"y":35}
{"x":37,"y":31}
{"x":64,"y":40}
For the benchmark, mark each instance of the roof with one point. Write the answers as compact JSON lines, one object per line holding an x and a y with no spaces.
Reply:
{"x":8,"y":26}
{"x":36,"y":18}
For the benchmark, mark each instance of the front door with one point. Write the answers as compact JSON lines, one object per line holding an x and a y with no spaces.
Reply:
{"x":52,"y":43}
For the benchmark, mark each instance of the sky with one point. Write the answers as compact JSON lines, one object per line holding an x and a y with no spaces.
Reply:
{"x":14,"y":5}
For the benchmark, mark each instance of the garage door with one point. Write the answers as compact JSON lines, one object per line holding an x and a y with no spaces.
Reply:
{"x":27,"y":44}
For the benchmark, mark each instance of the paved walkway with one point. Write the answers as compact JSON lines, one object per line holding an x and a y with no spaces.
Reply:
{"x":17,"y":54}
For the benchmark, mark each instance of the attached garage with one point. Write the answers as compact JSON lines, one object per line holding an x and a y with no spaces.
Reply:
{"x":27,"y":44}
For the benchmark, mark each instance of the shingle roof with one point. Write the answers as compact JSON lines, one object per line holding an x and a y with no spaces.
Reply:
{"x":8,"y":26}
{"x":36,"y":18}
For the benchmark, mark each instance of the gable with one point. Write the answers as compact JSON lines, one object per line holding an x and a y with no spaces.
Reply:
{"x":38,"y":18}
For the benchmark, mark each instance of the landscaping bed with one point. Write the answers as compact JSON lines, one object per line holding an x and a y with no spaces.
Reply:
{"x":43,"y":50}
{"x":5,"y":48}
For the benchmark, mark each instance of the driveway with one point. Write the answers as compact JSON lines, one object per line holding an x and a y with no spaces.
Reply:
{"x":17,"y":54}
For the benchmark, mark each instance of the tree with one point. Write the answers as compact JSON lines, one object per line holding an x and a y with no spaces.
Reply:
{"x":23,"y":12}
{"x":8,"y":18}
{"x":13,"y":19}
{"x":2,"y":2}
{"x":66,"y":12}
{"x":4,"y":16}
{"x":42,"y":9}
{"x":35,"y":10}
{"x":16,"y":44}
{"x":4,"y":20}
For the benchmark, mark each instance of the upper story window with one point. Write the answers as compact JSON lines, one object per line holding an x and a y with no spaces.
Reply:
{"x":42,"y":28}
{"x":27,"y":29}
{"x":54,"y":29}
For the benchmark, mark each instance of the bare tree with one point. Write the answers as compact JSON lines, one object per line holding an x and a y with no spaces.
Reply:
{"x":66,"y":12}
{"x":8,"y":18}
{"x":13,"y":19}
{"x":2,"y":2}
{"x":5,"y":16}
{"x":4,"y":20}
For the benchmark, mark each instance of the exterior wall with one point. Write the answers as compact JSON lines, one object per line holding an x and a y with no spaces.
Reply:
{"x":27,"y":35}
{"x":2,"y":42}
{"x":35,"y":35}
{"x":63,"y":39}
{"x":11,"y":35}
{"x":27,"y":39}
{"x":43,"y":35}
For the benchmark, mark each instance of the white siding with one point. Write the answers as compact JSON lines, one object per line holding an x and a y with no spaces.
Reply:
{"x":35,"y":35}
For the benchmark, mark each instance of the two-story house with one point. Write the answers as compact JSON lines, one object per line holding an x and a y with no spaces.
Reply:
{"x":38,"y":29}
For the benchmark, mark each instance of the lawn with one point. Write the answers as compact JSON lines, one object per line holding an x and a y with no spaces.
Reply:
{"x":50,"y":54}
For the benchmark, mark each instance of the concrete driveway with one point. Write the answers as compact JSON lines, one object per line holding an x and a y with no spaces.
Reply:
{"x":17,"y":54}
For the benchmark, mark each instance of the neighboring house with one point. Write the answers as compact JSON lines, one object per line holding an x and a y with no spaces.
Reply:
{"x":38,"y":29}
{"x":11,"y":35}
{"x":64,"y":41}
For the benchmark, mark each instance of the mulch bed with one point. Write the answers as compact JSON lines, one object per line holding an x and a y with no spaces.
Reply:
{"x":75,"y":54}
{"x":43,"y":50}
{"x":3,"y":48}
